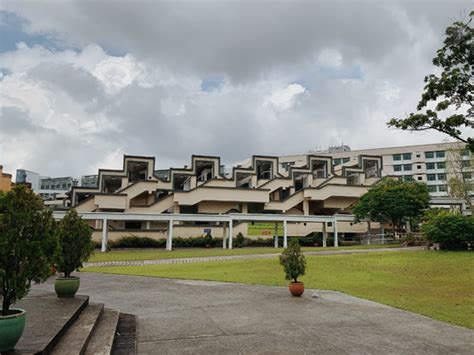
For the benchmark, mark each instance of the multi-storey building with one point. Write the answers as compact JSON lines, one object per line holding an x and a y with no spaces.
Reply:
{"x":50,"y":188}
{"x":314,"y":187}
{"x":432,"y":164}
{"x":89,"y":180}
{"x":5,"y":180}
{"x":31,"y":178}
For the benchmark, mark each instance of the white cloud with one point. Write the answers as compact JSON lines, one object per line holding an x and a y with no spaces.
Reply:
{"x":284,"y":98}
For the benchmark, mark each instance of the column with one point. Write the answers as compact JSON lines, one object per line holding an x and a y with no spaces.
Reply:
{"x":169,"y":240}
{"x":147,"y":225}
{"x":275,"y":232}
{"x":230,"y":233}
{"x":325,"y":235}
{"x":285,"y":234}
{"x":306,"y":207}
{"x":105,"y":235}
{"x":382,"y":232}
{"x":224,"y":235}
{"x":336,"y":240}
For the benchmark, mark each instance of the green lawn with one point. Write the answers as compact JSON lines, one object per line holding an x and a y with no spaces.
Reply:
{"x":436,"y":284}
{"x":155,"y":254}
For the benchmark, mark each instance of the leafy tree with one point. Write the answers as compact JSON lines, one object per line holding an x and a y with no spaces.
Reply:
{"x":75,"y":243}
{"x":293,"y":261}
{"x":393,"y":201}
{"x":239,"y":240}
{"x":451,"y":91}
{"x":27,"y":243}
{"x":452,"y":231}
{"x":459,"y":164}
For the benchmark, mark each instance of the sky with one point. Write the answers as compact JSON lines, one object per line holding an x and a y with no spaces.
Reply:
{"x":83,"y":82}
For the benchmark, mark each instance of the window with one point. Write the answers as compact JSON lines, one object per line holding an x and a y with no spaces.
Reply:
{"x":442,"y":176}
{"x":430,"y":166}
{"x":42,"y":187}
{"x":408,"y":178}
{"x":418,"y":155}
{"x":431,"y":188}
{"x":397,"y":168}
{"x":467,"y":176}
{"x":420,"y":178}
{"x":407,"y":167}
{"x":345,"y":160}
{"x":440,"y":154}
{"x":464,"y":153}
{"x":397,"y":157}
{"x":431,"y":177}
{"x":442,"y":188}
{"x":337,"y":162}
{"x":429,"y":155}
{"x":466,"y":163}
{"x":418,"y":167}
{"x":406,"y":156}
{"x":441,"y":165}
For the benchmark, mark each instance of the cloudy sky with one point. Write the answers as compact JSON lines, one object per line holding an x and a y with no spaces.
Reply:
{"x":84,"y":82}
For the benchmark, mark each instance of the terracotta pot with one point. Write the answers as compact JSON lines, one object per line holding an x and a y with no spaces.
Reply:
{"x":296,"y":288}
{"x":53,"y":269}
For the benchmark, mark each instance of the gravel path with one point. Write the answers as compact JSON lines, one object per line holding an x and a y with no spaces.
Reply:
{"x":238,"y":257}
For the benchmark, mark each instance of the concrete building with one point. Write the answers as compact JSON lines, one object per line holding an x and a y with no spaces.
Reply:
{"x":5,"y":181}
{"x":89,"y":180}
{"x":311,"y":189}
{"x":31,"y":178}
{"x":432,"y":164}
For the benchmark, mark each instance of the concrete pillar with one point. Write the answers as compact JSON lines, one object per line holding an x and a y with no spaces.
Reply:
{"x":230,"y":233}
{"x":382,"y":233}
{"x":105,"y":235}
{"x":285,"y":234}
{"x":176,"y":208}
{"x":169,"y":240}
{"x":336,"y":240}
{"x":325,"y":235}
{"x":245,"y":208}
{"x":306,"y":207}
{"x":275,"y":233}
{"x":147,"y":225}
{"x":224,"y":235}
{"x":98,"y":224}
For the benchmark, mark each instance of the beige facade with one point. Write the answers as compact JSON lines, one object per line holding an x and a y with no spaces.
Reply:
{"x":5,"y":181}
{"x":314,"y":187}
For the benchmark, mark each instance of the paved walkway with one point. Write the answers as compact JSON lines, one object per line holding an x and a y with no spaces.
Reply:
{"x":238,"y":257}
{"x":198,"y":317}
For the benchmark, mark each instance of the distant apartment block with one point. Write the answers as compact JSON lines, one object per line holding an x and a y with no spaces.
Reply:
{"x":5,"y":180}
{"x":89,"y":180}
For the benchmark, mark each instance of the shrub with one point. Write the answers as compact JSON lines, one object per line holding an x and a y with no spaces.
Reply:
{"x":293,"y":261}
{"x":239,"y":240}
{"x":452,"y":231}
{"x":27,"y":244}
{"x":137,"y":242}
{"x":75,"y":243}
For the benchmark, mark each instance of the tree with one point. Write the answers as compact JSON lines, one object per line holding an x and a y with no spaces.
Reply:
{"x":27,"y":243}
{"x":393,"y":201}
{"x":459,"y":164}
{"x":452,"y":91}
{"x":293,"y":261}
{"x":75,"y":243}
{"x":452,"y":231}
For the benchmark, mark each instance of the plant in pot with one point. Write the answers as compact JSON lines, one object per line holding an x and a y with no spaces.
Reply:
{"x":27,"y":248}
{"x":294,"y":265}
{"x":75,"y":247}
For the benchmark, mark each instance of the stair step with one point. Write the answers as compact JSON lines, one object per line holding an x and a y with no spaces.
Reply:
{"x":125,"y":342}
{"x":75,"y":340}
{"x":102,"y":339}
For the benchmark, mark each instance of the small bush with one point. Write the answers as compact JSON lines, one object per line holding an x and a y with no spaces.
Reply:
{"x":293,"y":261}
{"x":452,"y":231}
{"x":239,"y":240}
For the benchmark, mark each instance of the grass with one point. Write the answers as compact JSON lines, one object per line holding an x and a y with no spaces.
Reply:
{"x":436,"y":284}
{"x":156,"y":254}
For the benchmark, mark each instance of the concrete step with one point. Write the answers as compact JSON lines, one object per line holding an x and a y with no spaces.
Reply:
{"x":125,"y":342}
{"x":48,"y":319}
{"x":103,"y":336}
{"x":75,"y":340}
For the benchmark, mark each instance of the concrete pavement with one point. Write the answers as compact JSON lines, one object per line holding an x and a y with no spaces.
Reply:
{"x":181,"y":317}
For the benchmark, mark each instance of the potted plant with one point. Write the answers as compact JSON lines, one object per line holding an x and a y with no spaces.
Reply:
{"x":75,"y":247}
{"x":27,"y":247}
{"x":294,"y":265}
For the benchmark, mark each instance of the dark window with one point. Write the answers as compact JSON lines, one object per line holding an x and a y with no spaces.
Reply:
{"x":406,"y":156}
{"x":442,"y":176}
{"x":397,"y":168}
{"x":407,"y":167}
{"x":430,"y":166}
{"x":466,"y":163}
{"x":397,"y":157}
{"x":441,"y":165}
{"x":431,"y":177}
{"x":442,"y":188}
{"x":431,"y":188}
{"x":133,"y":225}
{"x":429,"y":155}
{"x":440,"y":154}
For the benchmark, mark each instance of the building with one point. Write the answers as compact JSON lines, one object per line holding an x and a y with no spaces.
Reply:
{"x":52,"y":188}
{"x":5,"y":181}
{"x":89,"y":180}
{"x":260,"y":186}
{"x":432,"y":164}
{"x":31,"y":178}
